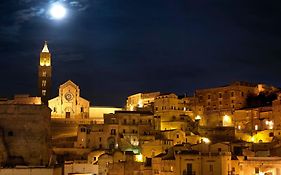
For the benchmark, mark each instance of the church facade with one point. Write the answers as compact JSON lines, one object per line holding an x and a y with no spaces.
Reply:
{"x":69,"y":104}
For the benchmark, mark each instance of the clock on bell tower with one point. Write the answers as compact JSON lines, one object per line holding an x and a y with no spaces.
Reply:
{"x":45,"y":74}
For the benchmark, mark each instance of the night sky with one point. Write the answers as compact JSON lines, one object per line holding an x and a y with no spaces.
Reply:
{"x":115,"y":48}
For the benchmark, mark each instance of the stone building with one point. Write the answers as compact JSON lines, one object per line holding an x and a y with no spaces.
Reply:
{"x":80,"y":167}
{"x":119,"y":163}
{"x":253,"y":119}
{"x":141,"y":101}
{"x":212,"y":159}
{"x":123,"y":129}
{"x":175,"y":113}
{"x":25,"y":134}
{"x":153,"y":147}
{"x":260,"y":165}
{"x":202,"y":160}
{"x":276,"y":112}
{"x":69,"y":104}
{"x":220,"y":101}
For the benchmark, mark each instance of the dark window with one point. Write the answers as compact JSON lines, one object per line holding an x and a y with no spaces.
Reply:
{"x":134,"y":121}
{"x":238,"y":151}
{"x":125,"y":121}
{"x":67,"y":114}
{"x":10,"y":133}
{"x":82,"y":109}
{"x":189,"y":168}
{"x":211,"y":168}
{"x":219,"y":149}
{"x":113,"y":132}
{"x":83,"y":130}
{"x":257,"y":170}
{"x":124,"y":131}
{"x":100,"y":139}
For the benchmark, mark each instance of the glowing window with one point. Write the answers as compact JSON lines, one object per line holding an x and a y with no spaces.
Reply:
{"x":44,"y":92}
{"x":44,"y":73}
{"x":44,"y":82}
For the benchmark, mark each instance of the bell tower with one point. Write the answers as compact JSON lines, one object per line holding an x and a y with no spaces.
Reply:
{"x":45,"y":74}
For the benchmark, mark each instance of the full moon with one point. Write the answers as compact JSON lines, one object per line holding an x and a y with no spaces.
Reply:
{"x":57,"y":11}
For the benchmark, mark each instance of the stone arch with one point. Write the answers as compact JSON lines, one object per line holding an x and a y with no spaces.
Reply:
{"x":111,"y":142}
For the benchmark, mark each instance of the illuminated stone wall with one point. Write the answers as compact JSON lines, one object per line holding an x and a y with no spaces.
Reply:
{"x":173,"y":112}
{"x":25,"y":134}
{"x":253,"y":119}
{"x":120,"y":130}
{"x":260,"y":165}
{"x":276,"y":111}
{"x":23,"y":99}
{"x":140,"y":100}
{"x":221,"y":101}
{"x":97,"y":112}
{"x":204,"y":164}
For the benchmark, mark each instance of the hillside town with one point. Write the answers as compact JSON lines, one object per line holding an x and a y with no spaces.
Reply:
{"x":232,"y":129}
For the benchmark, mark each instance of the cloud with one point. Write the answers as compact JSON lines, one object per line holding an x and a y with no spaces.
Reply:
{"x":26,"y":14}
{"x":80,"y":5}
{"x":26,"y":10}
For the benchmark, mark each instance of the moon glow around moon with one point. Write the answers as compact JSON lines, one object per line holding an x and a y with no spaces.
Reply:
{"x":57,"y":11}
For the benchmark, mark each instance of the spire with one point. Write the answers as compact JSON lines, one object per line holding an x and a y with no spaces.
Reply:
{"x":45,"y":48}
